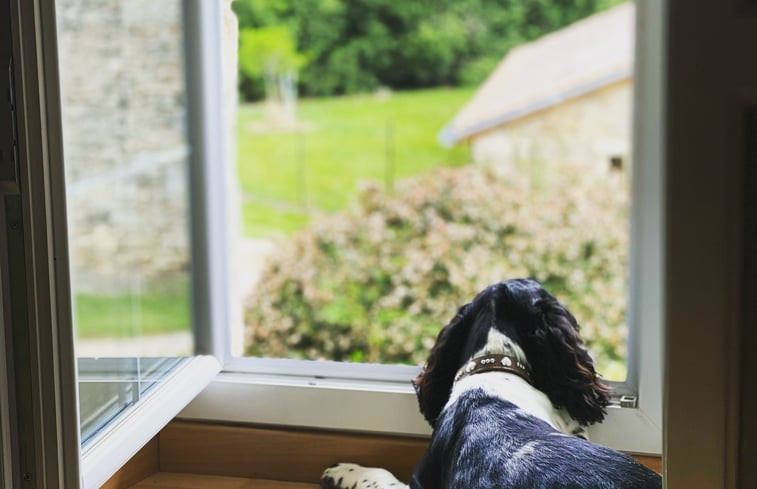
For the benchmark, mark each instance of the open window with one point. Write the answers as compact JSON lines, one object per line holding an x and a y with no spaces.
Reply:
{"x":334,"y":316}
{"x":147,"y":113}
{"x":374,"y":207}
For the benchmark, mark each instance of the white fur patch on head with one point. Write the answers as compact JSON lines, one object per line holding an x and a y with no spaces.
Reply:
{"x":498,"y":343}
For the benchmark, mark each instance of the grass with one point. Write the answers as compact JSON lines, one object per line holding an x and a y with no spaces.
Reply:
{"x":287,"y":176}
{"x":124,"y":315}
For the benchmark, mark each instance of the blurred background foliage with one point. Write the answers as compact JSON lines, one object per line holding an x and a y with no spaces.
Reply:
{"x":373,"y":277}
{"x":375,"y":282}
{"x":351,"y":46}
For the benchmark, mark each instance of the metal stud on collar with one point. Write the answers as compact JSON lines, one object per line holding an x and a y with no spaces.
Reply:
{"x":495,"y":363}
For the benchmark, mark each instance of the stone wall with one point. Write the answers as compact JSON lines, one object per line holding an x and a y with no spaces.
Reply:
{"x":124,"y":121}
{"x":587,"y":130}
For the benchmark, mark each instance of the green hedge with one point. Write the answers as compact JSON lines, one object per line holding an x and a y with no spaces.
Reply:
{"x":377,"y":282}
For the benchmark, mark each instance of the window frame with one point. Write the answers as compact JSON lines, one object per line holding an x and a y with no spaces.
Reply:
{"x":110,"y":449}
{"x":272,"y":385}
{"x":375,"y":398}
{"x":38,"y":400}
{"x":689,"y":455}
{"x":39,"y":431}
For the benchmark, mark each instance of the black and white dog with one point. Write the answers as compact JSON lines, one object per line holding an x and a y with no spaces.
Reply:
{"x":509,"y":388}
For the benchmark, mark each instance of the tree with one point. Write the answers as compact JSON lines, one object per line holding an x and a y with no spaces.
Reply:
{"x":360,"y":45}
{"x":269,"y":53}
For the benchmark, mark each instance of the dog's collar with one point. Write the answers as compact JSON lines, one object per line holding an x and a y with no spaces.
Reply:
{"x":495,"y":363}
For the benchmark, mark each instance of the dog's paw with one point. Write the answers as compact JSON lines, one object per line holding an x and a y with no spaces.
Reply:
{"x":353,"y":476}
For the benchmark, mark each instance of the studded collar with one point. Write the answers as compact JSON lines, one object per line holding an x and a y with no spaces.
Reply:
{"x":495,"y":363}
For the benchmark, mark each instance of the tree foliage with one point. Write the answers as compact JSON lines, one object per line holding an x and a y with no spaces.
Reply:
{"x":359,"y":45}
{"x":269,"y":54}
{"x":268,"y":50}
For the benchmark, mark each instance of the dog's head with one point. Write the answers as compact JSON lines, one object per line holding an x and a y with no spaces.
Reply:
{"x":525,"y":319}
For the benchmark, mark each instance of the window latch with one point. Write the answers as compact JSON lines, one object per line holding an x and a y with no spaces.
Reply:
{"x":624,"y":401}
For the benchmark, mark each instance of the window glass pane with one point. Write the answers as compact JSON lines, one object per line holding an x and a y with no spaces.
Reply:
{"x":394,"y":158}
{"x":108,"y":386}
{"x":123,"y":94}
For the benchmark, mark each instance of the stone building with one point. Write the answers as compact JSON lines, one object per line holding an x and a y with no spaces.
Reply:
{"x":565,"y":97}
{"x":126,"y":149}
{"x":124,"y":141}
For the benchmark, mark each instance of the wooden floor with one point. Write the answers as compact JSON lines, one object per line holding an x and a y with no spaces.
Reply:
{"x":172,"y":480}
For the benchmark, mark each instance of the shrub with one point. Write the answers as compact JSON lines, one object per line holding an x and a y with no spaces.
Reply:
{"x":377,"y":282}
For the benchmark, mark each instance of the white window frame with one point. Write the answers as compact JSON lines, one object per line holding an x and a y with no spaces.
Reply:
{"x":708,"y":460}
{"x":59,"y":460}
{"x":120,"y":440}
{"x":357,"y":397}
{"x":379,"y":398}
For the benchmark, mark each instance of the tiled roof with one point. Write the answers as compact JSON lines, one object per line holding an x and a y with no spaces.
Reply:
{"x":564,"y":64}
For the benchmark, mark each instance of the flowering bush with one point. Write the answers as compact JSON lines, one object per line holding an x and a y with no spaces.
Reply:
{"x":377,"y":282}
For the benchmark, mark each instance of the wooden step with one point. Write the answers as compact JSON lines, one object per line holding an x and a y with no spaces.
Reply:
{"x":173,"y":480}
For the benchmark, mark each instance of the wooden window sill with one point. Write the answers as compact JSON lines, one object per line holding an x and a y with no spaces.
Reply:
{"x":191,"y":455}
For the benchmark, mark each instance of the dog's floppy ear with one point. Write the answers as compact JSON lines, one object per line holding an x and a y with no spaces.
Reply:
{"x":562,"y":367}
{"x":434,"y":383}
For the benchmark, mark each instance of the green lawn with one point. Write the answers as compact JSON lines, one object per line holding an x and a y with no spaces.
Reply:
{"x":123,"y":315}
{"x":286,"y":176}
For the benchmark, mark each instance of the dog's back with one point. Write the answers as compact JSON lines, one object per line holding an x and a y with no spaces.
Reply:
{"x":507,"y":384}
{"x":487,"y":442}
